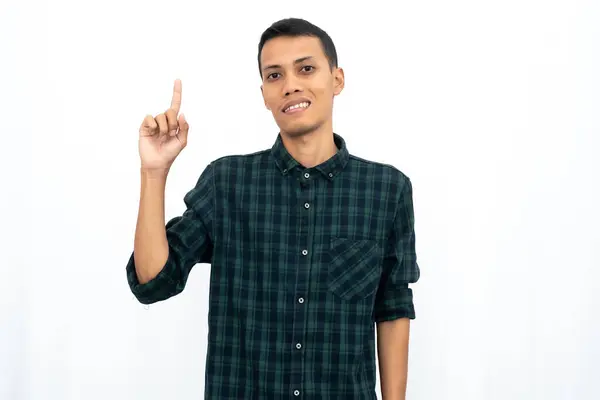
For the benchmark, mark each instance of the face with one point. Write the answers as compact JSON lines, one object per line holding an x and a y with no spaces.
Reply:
{"x":296,"y":69}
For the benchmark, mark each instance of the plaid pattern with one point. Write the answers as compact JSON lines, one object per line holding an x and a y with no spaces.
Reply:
{"x":304,"y":261}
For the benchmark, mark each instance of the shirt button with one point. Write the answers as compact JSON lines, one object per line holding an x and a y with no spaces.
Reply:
{"x":306,"y":205}
{"x":304,"y":252}
{"x":285,"y":170}
{"x":296,"y":393}
{"x":330,"y":175}
{"x":298,"y":346}
{"x":301,"y":300}
{"x":306,"y":175}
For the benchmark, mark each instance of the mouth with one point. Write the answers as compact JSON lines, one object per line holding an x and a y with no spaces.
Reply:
{"x":298,"y":108}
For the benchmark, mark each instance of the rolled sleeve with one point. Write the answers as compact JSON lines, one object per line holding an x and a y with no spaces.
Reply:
{"x":394,"y":298}
{"x":190,"y":242}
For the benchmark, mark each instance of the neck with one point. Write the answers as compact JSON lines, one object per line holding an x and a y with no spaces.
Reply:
{"x":312,"y":148}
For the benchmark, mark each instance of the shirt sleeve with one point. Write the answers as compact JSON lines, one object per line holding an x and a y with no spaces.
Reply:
{"x":394,"y":299}
{"x":190,"y":242}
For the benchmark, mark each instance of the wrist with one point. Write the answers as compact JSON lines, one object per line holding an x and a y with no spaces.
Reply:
{"x":154,"y":173}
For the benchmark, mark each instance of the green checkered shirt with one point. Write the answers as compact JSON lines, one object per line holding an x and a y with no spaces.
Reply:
{"x":303,"y":262}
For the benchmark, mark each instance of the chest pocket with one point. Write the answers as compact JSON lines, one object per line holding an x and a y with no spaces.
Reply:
{"x":354,"y":267}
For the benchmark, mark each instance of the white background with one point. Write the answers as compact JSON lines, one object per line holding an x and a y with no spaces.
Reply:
{"x":491,"y":108}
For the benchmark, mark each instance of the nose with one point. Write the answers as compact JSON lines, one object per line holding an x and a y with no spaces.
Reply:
{"x":291,"y":86}
{"x":288,"y":92}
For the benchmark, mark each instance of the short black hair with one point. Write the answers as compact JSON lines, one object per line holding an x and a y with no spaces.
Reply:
{"x":298,"y":27}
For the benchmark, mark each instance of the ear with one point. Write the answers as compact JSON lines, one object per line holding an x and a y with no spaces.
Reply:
{"x":338,"y":81}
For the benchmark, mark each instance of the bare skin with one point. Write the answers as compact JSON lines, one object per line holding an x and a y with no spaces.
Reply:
{"x":308,"y":135}
{"x":161,"y":139}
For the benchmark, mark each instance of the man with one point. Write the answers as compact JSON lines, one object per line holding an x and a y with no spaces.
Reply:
{"x":309,"y":246}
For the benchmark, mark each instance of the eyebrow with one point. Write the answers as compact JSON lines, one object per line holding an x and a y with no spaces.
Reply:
{"x":298,"y":61}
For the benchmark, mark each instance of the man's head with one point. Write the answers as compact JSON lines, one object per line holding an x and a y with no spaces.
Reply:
{"x":297,"y":61}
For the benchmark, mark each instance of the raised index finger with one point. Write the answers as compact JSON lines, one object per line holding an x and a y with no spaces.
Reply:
{"x":176,"y":101}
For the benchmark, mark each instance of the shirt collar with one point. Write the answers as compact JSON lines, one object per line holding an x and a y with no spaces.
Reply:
{"x":329,"y":168}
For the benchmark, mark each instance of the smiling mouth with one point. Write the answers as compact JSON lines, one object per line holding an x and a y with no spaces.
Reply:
{"x":298,"y":108}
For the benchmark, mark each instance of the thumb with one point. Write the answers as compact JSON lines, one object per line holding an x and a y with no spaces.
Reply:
{"x":184,"y":127}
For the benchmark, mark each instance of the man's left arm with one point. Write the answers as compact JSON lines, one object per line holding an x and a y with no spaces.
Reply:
{"x":392,"y":351}
{"x":394,"y":306}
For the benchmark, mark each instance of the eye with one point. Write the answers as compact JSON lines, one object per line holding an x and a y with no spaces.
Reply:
{"x":308,"y":66}
{"x":274,"y":73}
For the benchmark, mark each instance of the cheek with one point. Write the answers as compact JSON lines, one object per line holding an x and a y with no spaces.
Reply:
{"x":323,"y":93}
{"x":324,"y":99}
{"x":270,"y":100}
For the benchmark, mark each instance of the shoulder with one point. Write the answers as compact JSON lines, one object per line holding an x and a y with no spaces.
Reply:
{"x":233,"y":161}
{"x":388,"y":173}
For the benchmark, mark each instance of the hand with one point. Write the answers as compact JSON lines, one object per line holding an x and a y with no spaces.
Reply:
{"x":163,"y":137}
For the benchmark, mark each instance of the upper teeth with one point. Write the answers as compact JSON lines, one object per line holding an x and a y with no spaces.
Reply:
{"x":303,"y":105}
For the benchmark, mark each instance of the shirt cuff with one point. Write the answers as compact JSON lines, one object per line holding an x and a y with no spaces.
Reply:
{"x":398,"y":304}
{"x":155,"y":289}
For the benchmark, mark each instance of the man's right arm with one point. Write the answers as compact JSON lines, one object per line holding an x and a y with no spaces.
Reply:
{"x":164,"y":255}
{"x":151,"y":248}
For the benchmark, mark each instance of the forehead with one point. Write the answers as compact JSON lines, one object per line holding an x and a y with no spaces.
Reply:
{"x":284,"y":50}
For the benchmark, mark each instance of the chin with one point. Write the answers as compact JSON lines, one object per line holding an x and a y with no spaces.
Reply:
{"x":300,"y":130}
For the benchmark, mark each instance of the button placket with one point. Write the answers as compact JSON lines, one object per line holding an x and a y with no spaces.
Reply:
{"x":305,"y":241}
